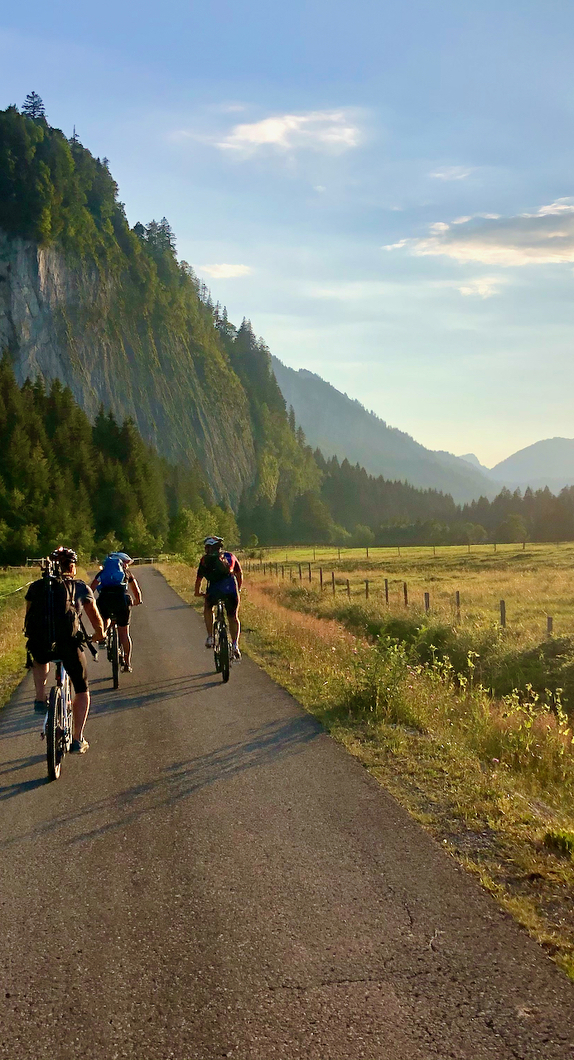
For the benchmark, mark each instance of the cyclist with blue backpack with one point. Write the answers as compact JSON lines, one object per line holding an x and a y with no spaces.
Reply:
{"x":114,"y":582}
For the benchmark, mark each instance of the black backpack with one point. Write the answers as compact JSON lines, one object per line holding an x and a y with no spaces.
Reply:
{"x":52,"y":618}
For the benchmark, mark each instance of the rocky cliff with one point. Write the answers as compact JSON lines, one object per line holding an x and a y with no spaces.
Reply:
{"x":94,"y":328}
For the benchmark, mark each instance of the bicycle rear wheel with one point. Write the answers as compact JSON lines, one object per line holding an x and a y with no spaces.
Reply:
{"x":115,"y":653}
{"x":223,"y":653}
{"x":54,"y":734}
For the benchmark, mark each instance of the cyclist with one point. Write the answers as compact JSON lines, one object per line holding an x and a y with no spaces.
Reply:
{"x":224,"y":577}
{"x":114,"y":583}
{"x":72,"y":596}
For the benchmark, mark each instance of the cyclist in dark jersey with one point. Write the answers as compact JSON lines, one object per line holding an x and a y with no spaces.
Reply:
{"x":69,"y":650}
{"x":224,"y":577}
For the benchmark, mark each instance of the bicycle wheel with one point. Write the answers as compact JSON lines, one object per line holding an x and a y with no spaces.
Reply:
{"x":67,"y":716}
{"x":54,"y":734}
{"x":223,"y":653}
{"x":115,"y":653}
{"x":216,"y":644}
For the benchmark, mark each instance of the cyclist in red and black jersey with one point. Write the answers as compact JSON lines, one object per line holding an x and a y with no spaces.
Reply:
{"x":224,"y":577}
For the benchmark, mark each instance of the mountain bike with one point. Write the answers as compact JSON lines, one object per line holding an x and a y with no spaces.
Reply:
{"x":58,"y":722}
{"x":221,"y":650}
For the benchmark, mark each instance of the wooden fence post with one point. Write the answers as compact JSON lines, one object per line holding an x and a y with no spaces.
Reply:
{"x":457,"y":604}
{"x":387,"y":591}
{"x":348,"y":588}
{"x":367,"y":551}
{"x":339,"y":551}
{"x":427,"y":601}
{"x":282,"y":571}
{"x":366,"y":590}
{"x":406,"y":594}
{"x":300,"y":573}
{"x":309,"y":565}
{"x":314,"y":557}
{"x":333,"y":581}
{"x":503,"y":614}
{"x":549,"y":625}
{"x":434,"y":550}
{"x":321,"y":578}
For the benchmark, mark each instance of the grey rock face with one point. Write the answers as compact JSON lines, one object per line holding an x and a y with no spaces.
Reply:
{"x":66,"y":320}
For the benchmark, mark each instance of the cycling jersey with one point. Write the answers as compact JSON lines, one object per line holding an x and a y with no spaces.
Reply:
{"x":218,"y":583}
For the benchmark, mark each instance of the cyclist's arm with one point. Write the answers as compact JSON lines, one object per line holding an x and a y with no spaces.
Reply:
{"x":198,"y":582}
{"x":95,"y":583}
{"x":95,"y":618}
{"x":135,"y":591}
{"x":238,"y":574}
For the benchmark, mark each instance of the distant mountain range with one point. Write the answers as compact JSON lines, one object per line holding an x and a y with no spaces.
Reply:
{"x":341,"y":426}
{"x":546,"y":463}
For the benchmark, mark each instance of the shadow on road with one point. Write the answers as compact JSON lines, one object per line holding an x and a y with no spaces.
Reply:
{"x":181,"y":780}
{"x":131,"y":697}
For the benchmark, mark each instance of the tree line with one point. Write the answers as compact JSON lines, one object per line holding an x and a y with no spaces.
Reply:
{"x":94,"y":486}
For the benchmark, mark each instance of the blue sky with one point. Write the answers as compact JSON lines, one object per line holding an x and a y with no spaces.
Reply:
{"x":383,"y":189}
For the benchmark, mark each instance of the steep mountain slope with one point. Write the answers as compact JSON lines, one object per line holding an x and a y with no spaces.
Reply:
{"x":342,"y":427}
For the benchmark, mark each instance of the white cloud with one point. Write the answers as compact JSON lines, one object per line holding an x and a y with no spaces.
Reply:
{"x":541,"y":238}
{"x":318,"y":130}
{"x":396,"y":246}
{"x":225,"y":272}
{"x":452,"y":173}
{"x":484,"y":287}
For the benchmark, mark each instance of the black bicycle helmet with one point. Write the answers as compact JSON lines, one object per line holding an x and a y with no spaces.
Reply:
{"x":212,"y":540}
{"x":63,"y":556}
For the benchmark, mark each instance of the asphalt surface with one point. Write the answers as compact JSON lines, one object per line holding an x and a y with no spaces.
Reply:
{"x":217,"y":877}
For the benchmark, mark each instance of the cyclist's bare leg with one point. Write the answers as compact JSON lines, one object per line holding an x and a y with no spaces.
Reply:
{"x":41,"y":671}
{"x":80,"y":706}
{"x":208,"y":618}
{"x":234,"y":626}
{"x":126,"y":643}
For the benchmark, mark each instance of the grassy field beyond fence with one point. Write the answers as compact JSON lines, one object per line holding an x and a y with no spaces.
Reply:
{"x":535,"y":582}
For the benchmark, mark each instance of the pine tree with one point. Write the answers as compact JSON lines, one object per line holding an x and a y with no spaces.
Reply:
{"x":33,"y":106}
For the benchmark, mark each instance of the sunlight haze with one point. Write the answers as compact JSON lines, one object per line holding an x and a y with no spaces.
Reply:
{"x":384,"y":190}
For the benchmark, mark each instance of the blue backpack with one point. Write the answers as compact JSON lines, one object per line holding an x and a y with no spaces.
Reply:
{"x":112,"y":572}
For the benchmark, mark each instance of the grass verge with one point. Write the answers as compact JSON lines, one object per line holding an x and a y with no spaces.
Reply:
{"x":493,"y":782}
{"x":12,"y":644}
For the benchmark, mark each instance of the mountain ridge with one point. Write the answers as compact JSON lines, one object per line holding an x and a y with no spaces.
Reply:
{"x":332,"y":421}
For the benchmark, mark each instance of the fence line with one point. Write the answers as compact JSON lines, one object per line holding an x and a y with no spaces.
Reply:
{"x":426,"y":596}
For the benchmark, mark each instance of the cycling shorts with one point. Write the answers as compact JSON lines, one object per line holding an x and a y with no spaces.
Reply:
{"x":114,"y":602}
{"x":231,"y":600}
{"x":73,"y":659}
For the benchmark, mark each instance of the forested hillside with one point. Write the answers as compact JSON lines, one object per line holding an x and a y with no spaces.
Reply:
{"x":94,"y":486}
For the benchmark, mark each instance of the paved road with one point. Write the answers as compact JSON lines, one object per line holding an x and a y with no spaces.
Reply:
{"x":216,"y":877}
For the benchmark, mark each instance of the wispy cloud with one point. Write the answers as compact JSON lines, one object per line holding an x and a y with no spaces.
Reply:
{"x":451,"y":173}
{"x":541,"y":238}
{"x":544,"y":237}
{"x":319,"y":130}
{"x":225,"y":272}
